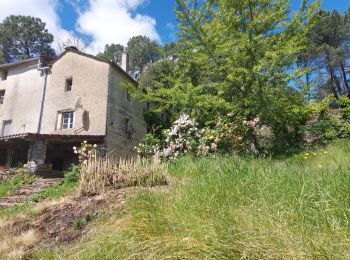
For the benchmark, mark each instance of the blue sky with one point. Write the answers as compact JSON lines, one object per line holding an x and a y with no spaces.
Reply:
{"x":112,"y":21}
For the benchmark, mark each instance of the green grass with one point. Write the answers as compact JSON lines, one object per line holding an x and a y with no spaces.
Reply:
{"x":232,"y":208}
{"x":52,"y":192}
{"x":8,"y":186}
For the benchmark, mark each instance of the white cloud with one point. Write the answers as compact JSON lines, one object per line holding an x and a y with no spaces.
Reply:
{"x":44,"y":9}
{"x":105,"y":21}
{"x":114,"y":21}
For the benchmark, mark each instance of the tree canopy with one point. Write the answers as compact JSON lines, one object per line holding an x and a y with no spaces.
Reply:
{"x":239,"y":57}
{"x":23,"y":37}
{"x":142,"y":52}
{"x":112,"y":52}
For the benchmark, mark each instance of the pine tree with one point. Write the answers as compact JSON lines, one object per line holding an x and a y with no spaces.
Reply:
{"x":23,"y":37}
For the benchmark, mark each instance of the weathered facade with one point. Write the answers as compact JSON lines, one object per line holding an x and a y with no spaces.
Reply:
{"x":48,"y":106}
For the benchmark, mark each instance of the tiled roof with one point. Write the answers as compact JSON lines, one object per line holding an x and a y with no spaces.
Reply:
{"x":30,"y":136}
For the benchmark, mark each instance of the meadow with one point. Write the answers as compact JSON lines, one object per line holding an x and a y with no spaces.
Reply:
{"x":231,"y":207}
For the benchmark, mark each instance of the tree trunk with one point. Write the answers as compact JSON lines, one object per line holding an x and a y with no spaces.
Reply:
{"x":335,"y":88}
{"x":342,"y":67}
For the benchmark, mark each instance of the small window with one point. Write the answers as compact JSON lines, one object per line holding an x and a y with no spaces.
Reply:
{"x":69,"y":84}
{"x":68,"y":118}
{"x":6,"y":128}
{"x":128,"y":96}
{"x":2,"y":96}
{"x":4,"y":75}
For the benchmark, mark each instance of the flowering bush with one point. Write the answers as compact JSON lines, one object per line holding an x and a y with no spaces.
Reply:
{"x":227,"y":136}
{"x":181,"y":138}
{"x":149,"y":147}
{"x":85,"y":152}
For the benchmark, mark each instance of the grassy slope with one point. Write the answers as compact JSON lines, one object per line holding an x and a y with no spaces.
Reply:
{"x":54,"y":192}
{"x":9,"y":185}
{"x":233,"y":208}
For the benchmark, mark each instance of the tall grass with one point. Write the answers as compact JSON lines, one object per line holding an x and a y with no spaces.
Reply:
{"x":235,"y":208}
{"x":99,"y":174}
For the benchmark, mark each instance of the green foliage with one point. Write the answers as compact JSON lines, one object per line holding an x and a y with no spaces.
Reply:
{"x":23,"y":37}
{"x":155,"y":123}
{"x":12,"y":184}
{"x":112,"y":52}
{"x":142,"y":52}
{"x":330,"y":123}
{"x":72,"y":176}
{"x":228,"y":135}
{"x":149,"y":146}
{"x":2,"y":58}
{"x":238,"y":57}
{"x":79,"y":224}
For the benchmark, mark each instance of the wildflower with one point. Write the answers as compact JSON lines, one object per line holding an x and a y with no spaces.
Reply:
{"x":85,"y":142}
{"x":74,"y":147}
{"x":325,"y":152}
{"x":95,"y":145}
{"x":314,"y":154}
{"x":305,"y":157}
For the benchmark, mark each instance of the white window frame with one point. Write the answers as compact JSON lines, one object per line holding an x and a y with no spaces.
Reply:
{"x":68,"y":122}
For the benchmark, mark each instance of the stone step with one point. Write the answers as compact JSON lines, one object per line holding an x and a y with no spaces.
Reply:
{"x":27,"y":192}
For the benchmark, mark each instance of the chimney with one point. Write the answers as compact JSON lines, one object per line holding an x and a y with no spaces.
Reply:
{"x":71,"y":48}
{"x":125,"y":61}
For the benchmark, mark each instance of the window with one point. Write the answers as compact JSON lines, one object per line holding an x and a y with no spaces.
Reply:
{"x":67,"y":120}
{"x":6,"y":128}
{"x":4,"y":75}
{"x":2,"y":96}
{"x":69,"y":84}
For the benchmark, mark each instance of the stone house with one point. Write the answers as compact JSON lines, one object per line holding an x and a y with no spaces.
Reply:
{"x":47,"y":106}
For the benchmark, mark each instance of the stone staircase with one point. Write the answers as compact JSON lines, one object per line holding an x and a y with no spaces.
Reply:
{"x":27,"y":192}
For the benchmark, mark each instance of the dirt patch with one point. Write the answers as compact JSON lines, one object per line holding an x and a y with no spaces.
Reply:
{"x":61,"y":222}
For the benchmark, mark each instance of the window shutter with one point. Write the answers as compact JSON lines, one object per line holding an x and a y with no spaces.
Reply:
{"x":59,"y":121}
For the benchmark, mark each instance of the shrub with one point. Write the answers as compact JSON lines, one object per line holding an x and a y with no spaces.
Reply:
{"x":329,"y":123}
{"x":181,"y":138}
{"x":149,"y":147}
{"x":72,"y":176}
{"x":79,"y":224}
{"x":227,"y":135}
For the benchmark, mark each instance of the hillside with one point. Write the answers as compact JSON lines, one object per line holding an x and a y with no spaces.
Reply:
{"x":222,"y":207}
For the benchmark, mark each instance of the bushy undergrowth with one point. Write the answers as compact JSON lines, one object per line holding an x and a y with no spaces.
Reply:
{"x":230,"y":207}
{"x":99,"y":174}
{"x":331,"y":121}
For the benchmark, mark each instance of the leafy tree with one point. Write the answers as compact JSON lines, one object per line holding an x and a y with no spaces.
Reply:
{"x":23,"y":37}
{"x":239,"y":57}
{"x":112,"y":52}
{"x":171,"y":50}
{"x":142,"y":52}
